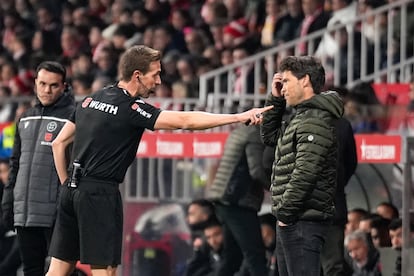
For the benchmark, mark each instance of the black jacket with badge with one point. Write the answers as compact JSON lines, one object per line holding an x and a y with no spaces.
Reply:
{"x":304,"y":171}
{"x":32,"y":190}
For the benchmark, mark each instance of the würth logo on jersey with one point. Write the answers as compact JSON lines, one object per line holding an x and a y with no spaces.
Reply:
{"x":86,"y":102}
{"x":101,"y":106}
{"x":141,"y":111}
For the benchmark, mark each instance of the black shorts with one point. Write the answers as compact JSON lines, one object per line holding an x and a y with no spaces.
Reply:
{"x":89,"y":224}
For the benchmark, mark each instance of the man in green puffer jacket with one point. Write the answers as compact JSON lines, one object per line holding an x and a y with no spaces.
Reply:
{"x":304,"y":170}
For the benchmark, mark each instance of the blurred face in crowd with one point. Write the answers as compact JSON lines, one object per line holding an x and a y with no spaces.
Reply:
{"x":214,"y":237}
{"x":358,"y":251}
{"x":365,"y":225}
{"x":385,"y":212}
{"x":353,"y":222}
{"x":396,"y":238}
{"x":375,"y":236}
{"x":49,"y":87}
{"x":196,"y":214}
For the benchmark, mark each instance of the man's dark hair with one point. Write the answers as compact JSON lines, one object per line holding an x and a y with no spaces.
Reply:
{"x":212,"y":222}
{"x":306,"y":65}
{"x":54,"y":67}
{"x":395,"y":224}
{"x":363,"y":213}
{"x":392,"y":207}
{"x":205,"y":204}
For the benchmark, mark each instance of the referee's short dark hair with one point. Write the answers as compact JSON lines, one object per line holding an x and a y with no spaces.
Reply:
{"x":54,"y":67}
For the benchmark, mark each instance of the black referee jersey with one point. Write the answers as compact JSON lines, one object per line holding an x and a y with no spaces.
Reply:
{"x":109,"y":127}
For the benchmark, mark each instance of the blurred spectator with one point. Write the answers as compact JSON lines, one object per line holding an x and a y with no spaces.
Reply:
{"x":217,"y":33}
{"x":235,"y":33}
{"x":26,"y":11}
{"x":316,"y":18}
{"x":342,"y":37}
{"x":343,"y":11}
{"x":99,"y":83}
{"x":379,"y":232}
{"x":112,"y":18}
{"x":71,"y":41}
{"x":180,"y":19}
{"x":81,"y":85}
{"x":289,"y":26}
{"x":19,"y":48}
{"x":169,"y":71}
{"x":235,"y":8}
{"x":12,"y":23}
{"x":395,"y":231}
{"x":354,"y":218}
{"x":166,"y":39}
{"x":215,"y":239}
{"x":47,"y":19}
{"x":121,"y":38}
{"x":82,"y":64}
{"x":140,"y":19}
{"x":387,"y":210}
{"x":214,"y":12}
{"x":213,"y":55}
{"x":7,"y":109}
{"x":200,"y":213}
{"x":187,"y":68}
{"x":370,"y":29}
{"x":365,"y":224}
{"x":96,"y":41}
{"x":268,"y":227}
{"x":196,"y":41}
{"x":274,"y":12}
{"x":396,"y":235}
{"x":332,"y":254}
{"x":106,"y":62}
{"x":45,"y":45}
{"x":364,"y":118}
{"x":159,"y":10}
{"x":365,"y":258}
{"x":244,"y":75}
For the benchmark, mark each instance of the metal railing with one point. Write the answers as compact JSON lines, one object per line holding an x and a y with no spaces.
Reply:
{"x":383,"y":70}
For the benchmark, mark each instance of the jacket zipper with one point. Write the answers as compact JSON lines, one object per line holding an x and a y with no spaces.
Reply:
{"x":29,"y":174}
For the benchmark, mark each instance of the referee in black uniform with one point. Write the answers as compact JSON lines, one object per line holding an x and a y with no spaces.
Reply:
{"x":105,"y":130}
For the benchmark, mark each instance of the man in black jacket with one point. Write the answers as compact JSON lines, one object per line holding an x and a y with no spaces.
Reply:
{"x":29,"y":199}
{"x":332,"y":255}
{"x":238,"y":191}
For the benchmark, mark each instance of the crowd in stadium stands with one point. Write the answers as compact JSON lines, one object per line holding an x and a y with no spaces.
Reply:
{"x":88,"y":36}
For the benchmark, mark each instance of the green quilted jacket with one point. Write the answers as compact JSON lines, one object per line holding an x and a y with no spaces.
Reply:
{"x":304,"y":171}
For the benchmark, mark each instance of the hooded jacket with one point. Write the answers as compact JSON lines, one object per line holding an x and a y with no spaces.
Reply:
{"x":304,"y":171}
{"x":33,"y":180}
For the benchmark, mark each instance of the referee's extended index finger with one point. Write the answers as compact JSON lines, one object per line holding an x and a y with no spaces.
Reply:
{"x":266,"y":108}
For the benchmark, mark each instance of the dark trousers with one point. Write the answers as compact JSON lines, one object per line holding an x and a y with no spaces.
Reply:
{"x":9,"y":257}
{"x":332,"y":255}
{"x":34,"y":243}
{"x":242,"y":241}
{"x":298,"y":248}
